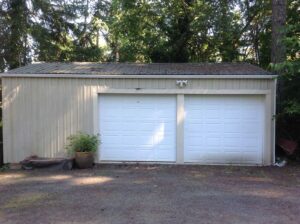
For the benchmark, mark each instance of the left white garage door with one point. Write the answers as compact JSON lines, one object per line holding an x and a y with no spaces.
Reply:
{"x":137,"y":128}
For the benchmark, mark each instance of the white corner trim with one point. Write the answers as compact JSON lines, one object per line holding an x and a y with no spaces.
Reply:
{"x":268,"y":152}
{"x":180,"y":129}
{"x":96,"y":119}
{"x":274,"y":120}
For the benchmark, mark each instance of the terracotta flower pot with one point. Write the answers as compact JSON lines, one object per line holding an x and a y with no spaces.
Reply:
{"x":84,"y":160}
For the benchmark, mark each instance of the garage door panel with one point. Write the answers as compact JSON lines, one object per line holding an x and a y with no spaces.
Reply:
{"x":147,"y":126}
{"x":251,"y":157}
{"x":133,"y":140}
{"x":228,"y":158}
{"x":129,"y":155}
{"x":250,"y":143}
{"x":234,"y":127}
{"x":223,"y":129}
{"x":164,"y":140}
{"x":212,"y":114}
{"x":212,"y":141}
{"x":143,"y":129}
{"x":194,"y":114}
{"x":195,"y":126}
{"x":231,"y":157}
{"x":213,"y":128}
{"x":111,"y":127}
{"x":194,"y":142}
{"x":111,"y":138}
{"x":204,"y":157}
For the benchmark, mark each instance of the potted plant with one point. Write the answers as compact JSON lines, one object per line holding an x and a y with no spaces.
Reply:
{"x":83,"y":147}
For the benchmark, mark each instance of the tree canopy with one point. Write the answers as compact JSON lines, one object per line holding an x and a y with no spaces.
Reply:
{"x":135,"y":31}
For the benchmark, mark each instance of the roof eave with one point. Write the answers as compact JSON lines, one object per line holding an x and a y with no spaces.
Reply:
{"x":183,"y":76}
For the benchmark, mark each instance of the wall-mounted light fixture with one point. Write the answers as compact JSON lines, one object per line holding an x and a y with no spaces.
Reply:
{"x":181,"y":83}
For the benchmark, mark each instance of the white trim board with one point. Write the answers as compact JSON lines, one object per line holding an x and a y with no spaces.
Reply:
{"x":185,"y":91}
{"x":93,"y":76}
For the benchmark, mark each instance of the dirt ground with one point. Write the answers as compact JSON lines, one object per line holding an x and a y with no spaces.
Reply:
{"x":152,"y":194}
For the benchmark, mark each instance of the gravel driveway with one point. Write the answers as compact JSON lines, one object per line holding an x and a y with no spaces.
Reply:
{"x":152,"y":194}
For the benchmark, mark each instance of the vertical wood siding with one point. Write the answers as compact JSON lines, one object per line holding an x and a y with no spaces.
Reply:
{"x":40,"y":113}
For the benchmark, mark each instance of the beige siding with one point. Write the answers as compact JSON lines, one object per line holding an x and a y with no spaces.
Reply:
{"x":40,"y":113}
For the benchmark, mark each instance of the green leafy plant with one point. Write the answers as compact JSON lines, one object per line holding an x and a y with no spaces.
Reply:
{"x":4,"y":167}
{"x":82,"y":142}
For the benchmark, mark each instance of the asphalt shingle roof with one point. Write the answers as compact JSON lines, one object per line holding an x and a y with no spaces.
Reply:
{"x":92,"y":68}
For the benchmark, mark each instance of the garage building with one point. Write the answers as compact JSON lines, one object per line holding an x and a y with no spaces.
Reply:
{"x":184,"y":113}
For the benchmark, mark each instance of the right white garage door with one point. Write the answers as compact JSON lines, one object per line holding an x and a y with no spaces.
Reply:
{"x":224,"y":129}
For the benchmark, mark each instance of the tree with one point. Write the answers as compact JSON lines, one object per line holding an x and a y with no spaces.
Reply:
{"x":137,"y":30}
{"x":14,"y":33}
{"x":278,"y":31}
{"x":4,"y":34}
{"x":64,"y":31}
{"x":288,"y":120}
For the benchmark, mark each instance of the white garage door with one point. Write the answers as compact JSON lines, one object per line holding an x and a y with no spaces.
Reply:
{"x":223,"y":129}
{"x":137,"y":127}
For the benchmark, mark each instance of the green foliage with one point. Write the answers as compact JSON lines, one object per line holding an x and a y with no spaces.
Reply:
{"x":59,"y":37}
{"x":289,"y":101}
{"x":92,"y":54}
{"x":13,"y":34}
{"x":288,"y":104}
{"x":187,"y":30}
{"x":290,"y":70}
{"x":82,"y":142}
{"x":135,"y":31}
{"x":292,"y":108}
{"x":4,"y":167}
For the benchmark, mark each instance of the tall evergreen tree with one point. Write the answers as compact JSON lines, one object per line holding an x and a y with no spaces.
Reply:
{"x":14,"y":26}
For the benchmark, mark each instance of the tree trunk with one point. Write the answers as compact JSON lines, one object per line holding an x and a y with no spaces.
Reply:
{"x":278,"y":52}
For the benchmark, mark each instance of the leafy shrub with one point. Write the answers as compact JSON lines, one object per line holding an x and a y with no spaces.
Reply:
{"x":82,"y":142}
